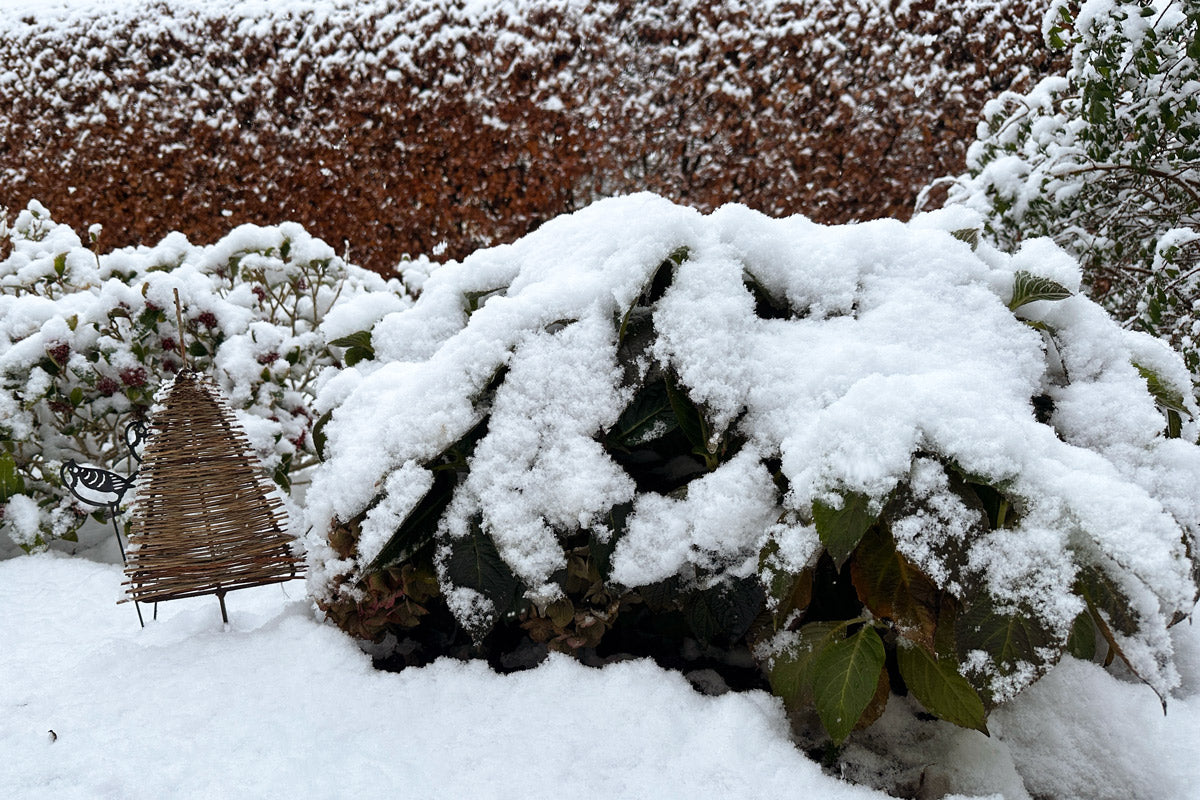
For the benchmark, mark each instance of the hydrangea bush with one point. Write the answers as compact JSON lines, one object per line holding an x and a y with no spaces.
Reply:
{"x":1106,"y":160}
{"x":87,"y":337}
{"x":848,"y":462}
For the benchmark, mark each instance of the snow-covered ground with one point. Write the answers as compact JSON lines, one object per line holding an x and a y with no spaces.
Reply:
{"x":281,"y":705}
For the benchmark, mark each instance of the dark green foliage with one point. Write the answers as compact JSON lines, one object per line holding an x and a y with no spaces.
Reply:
{"x":845,"y":675}
{"x":940,"y":688}
{"x":649,"y":416}
{"x":358,"y":347}
{"x":418,"y":529}
{"x":842,"y":527}
{"x":1028,"y":288}
{"x":870,"y":613}
{"x":474,"y":562}
{"x":724,"y":612}
{"x":1011,"y":638}
{"x":10,"y":480}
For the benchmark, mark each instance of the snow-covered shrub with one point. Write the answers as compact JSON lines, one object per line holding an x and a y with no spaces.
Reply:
{"x":370,"y":120}
{"x":1106,"y":160}
{"x":877,"y":455}
{"x":87,"y":337}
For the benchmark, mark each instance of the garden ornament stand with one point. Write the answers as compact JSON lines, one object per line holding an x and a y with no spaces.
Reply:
{"x":204,"y":521}
{"x":103,"y":489}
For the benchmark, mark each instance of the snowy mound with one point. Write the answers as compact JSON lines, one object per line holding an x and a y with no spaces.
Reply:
{"x":823,"y":364}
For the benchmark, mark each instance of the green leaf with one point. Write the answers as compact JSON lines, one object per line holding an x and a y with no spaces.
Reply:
{"x":1013,"y":638}
{"x":150,"y":317}
{"x":766,"y":305}
{"x":690,"y":420}
{"x":968,"y":235}
{"x":1082,"y":641}
{"x":724,"y":612}
{"x":318,"y":433}
{"x":420,"y":526}
{"x":357,"y":354}
{"x":680,"y":254}
{"x":648,"y":416}
{"x":1028,"y":288}
{"x":1174,"y":424}
{"x":841,"y":529}
{"x":282,"y":474}
{"x":475,"y":300}
{"x":787,"y":591}
{"x":358,"y":343}
{"x":76,"y":396}
{"x":197,"y":350}
{"x":939,"y":687}
{"x":635,"y":338}
{"x":475,"y":563}
{"x":601,"y":552}
{"x":1115,"y":649}
{"x":60,"y":264}
{"x":49,"y":366}
{"x":1101,"y":593}
{"x":996,"y":506}
{"x":845,"y":676}
{"x":1164,"y":393}
{"x":790,"y":672}
{"x":11,"y":482}
{"x":359,"y":338}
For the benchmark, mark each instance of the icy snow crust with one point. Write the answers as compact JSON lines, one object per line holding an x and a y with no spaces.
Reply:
{"x":901,"y":346}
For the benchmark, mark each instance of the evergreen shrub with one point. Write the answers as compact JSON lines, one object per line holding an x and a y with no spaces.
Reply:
{"x":845,"y":462}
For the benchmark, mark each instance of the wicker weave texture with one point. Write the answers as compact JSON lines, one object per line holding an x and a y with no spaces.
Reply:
{"x":205,"y":521}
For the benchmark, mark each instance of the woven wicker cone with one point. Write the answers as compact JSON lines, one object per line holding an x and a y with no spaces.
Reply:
{"x":204,"y":522}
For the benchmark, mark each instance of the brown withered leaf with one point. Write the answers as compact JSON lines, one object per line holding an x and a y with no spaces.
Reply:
{"x":878,"y":704}
{"x":561,"y":612}
{"x":894,"y":589}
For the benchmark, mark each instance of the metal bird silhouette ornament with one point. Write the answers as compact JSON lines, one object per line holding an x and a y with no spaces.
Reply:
{"x":104,"y":489}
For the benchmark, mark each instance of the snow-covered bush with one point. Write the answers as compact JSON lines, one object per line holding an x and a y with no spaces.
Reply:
{"x":87,"y":337}
{"x":874,"y":455}
{"x":1106,"y":160}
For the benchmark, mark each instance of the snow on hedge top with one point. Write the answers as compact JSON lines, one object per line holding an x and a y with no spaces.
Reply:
{"x":899,"y":346}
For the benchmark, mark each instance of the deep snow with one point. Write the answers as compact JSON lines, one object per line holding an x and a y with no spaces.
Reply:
{"x":282,"y":705}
